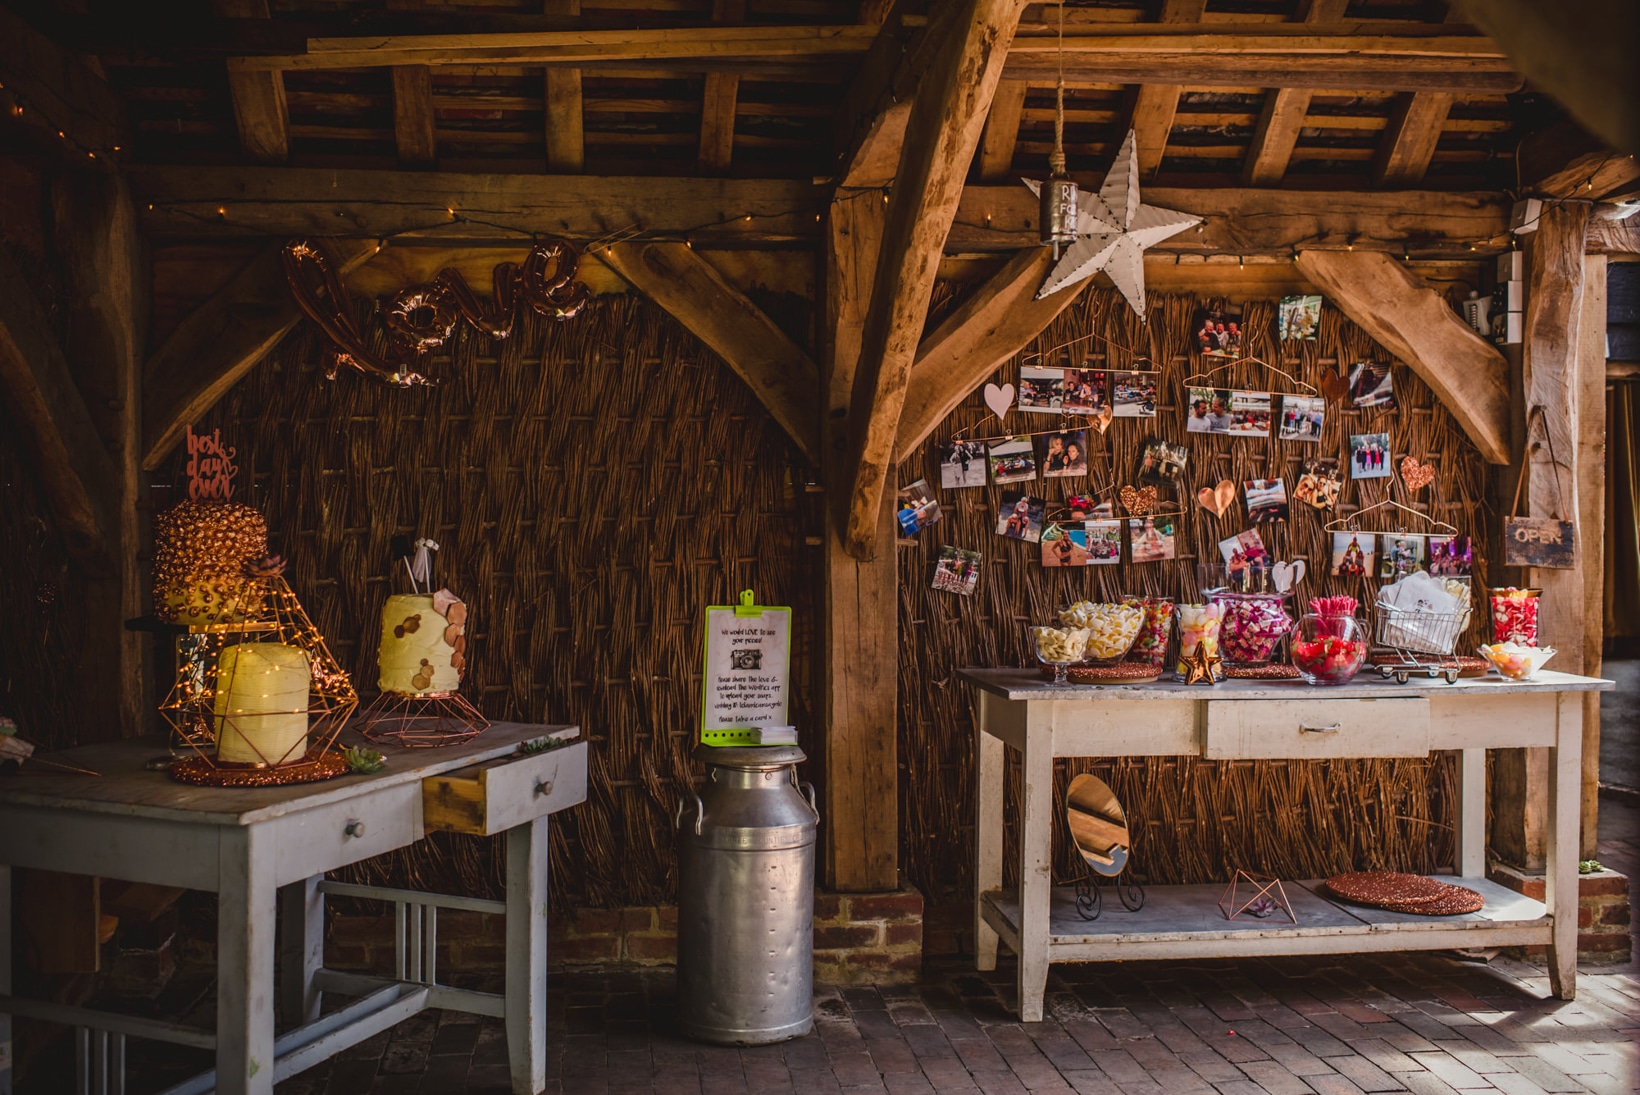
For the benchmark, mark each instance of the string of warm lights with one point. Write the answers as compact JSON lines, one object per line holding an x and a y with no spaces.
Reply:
{"x":16,"y":104}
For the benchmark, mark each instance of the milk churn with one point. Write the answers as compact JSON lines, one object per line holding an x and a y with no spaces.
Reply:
{"x":746,"y":898}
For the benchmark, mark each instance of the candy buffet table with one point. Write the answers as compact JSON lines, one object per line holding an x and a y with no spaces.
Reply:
{"x":258,"y":847}
{"x":1240,"y":719}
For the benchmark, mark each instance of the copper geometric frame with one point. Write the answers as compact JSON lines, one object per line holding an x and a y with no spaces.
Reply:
{"x":1264,"y":887}
{"x":268,"y":612}
{"x":421,"y":720}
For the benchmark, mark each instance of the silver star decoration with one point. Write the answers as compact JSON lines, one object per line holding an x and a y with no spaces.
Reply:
{"x":1113,"y":229}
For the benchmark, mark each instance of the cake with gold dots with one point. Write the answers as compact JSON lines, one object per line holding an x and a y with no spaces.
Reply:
{"x":424,"y":644}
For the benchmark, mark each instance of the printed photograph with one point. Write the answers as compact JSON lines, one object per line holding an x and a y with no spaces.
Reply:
{"x":1369,"y":455}
{"x":962,"y":464}
{"x":1104,"y":542}
{"x":1133,"y":394}
{"x":1086,"y":391}
{"x":1353,"y":554}
{"x":1249,"y":414}
{"x":918,"y":509}
{"x":1063,"y":454}
{"x":1218,"y":331}
{"x":1450,"y":556}
{"x":1082,"y":507}
{"x":1266,"y":501}
{"x":1319,"y":486}
{"x":1151,"y":539}
{"x":1042,"y":390}
{"x":1014,"y":460}
{"x":1065,"y":546}
{"x":1399,"y":555}
{"x":1299,"y":317}
{"x":1371,"y":385}
{"x":1020,"y":517}
{"x":1246,"y":560}
{"x":1207,"y":410}
{"x":957,"y":571}
{"x":1301,"y":417}
{"x":1162,"y":462}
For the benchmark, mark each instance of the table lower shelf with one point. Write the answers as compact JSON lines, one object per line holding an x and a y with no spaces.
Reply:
{"x":1185,"y":922}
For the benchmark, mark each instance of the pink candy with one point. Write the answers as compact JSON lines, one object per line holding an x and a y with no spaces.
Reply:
{"x":1515,"y":616}
{"x":1252,"y":628}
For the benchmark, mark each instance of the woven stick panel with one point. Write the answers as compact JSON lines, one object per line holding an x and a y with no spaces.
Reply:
{"x":1192,"y":820}
{"x":593,"y":485}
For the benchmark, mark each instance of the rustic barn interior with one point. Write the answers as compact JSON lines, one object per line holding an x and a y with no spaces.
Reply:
{"x":806,"y":250}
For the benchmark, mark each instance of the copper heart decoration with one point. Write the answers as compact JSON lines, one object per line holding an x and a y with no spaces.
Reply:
{"x":1335,"y":384}
{"x":1137,"y":502}
{"x":1217,"y":499}
{"x":1102,"y":420}
{"x":1415,"y":475}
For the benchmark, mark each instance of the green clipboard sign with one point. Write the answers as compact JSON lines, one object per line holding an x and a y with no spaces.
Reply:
{"x":746,"y":671}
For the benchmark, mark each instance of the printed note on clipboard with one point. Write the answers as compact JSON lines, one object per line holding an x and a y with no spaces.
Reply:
{"x":746,"y":671}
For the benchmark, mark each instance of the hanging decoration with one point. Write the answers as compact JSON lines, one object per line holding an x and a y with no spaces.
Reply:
{"x":1113,"y":230}
{"x":1000,"y":400}
{"x":1137,"y":502}
{"x":422,"y":318}
{"x":1416,"y":476}
{"x":1217,"y":499}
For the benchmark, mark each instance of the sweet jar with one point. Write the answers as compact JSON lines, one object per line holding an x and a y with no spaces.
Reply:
{"x":1329,"y":649}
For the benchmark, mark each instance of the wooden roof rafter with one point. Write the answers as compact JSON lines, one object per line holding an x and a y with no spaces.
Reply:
{"x":1283,"y":113}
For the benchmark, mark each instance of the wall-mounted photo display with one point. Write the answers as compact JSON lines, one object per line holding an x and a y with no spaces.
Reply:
{"x":957,"y":571}
{"x":1451,"y":556}
{"x":1399,"y":555}
{"x":917,"y":508}
{"x":1369,"y":455}
{"x":1266,"y":501}
{"x":1013,"y":460}
{"x":1207,"y":410}
{"x":1319,"y":486}
{"x":1246,"y":559}
{"x":1162,"y":462}
{"x":1250,"y":414}
{"x":1299,"y":317}
{"x":962,"y":464}
{"x":1063,"y":454}
{"x":1218,"y":331}
{"x":1152,"y":539}
{"x":1065,"y":545}
{"x":1020,"y":517}
{"x":1104,"y":542}
{"x":1133,"y":394}
{"x":1372,"y":384}
{"x":1086,"y":391}
{"x":1354,"y":554}
{"x":1301,"y":417}
{"x":1042,"y":391}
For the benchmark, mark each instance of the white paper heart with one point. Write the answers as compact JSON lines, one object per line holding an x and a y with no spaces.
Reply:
{"x":999,"y":399}
{"x":1288,"y":575}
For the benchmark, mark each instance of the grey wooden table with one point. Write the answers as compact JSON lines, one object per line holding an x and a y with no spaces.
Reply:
{"x":1245,"y":719}
{"x":266,"y":847}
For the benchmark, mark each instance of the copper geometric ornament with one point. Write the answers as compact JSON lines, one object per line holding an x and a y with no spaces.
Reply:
{"x":258,"y":697}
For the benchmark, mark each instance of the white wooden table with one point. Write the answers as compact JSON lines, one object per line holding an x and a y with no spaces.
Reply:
{"x":258,"y":847}
{"x":1251,"y":719}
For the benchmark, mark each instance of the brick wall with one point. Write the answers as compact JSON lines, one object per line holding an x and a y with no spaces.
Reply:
{"x":1603,"y":912}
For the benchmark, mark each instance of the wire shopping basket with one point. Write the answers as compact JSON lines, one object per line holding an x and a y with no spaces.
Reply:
{"x":1422,"y":640}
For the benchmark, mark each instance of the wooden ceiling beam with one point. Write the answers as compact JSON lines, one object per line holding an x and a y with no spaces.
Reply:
{"x":221,"y":341}
{"x":48,"y":88}
{"x":1282,"y":116}
{"x":80,"y":482}
{"x":565,"y":107}
{"x":784,"y":378}
{"x":413,"y":121}
{"x":1155,"y":104}
{"x":717,"y":111}
{"x":942,"y":134}
{"x":258,"y":93}
{"x":1565,"y":161}
{"x":1416,"y":324}
{"x":996,"y":148}
{"x":1408,"y":142}
{"x":876,"y":104}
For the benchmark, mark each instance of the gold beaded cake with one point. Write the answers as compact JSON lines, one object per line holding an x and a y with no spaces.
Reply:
{"x":200,"y":552}
{"x":424,"y":643}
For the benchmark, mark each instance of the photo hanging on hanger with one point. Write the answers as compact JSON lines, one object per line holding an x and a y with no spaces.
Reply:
{"x":1104,"y":542}
{"x":962,"y":464}
{"x":1369,"y":455}
{"x":1020,"y":517}
{"x":1299,"y":317}
{"x":1065,"y":545}
{"x":1353,"y":554}
{"x":1063,"y":454}
{"x":957,"y":571}
{"x":1218,"y":331}
{"x":1372,"y":384}
{"x":1301,"y":417}
{"x":1133,"y":394}
{"x":1041,"y":391}
{"x":1086,"y":390}
{"x":1451,"y":556}
{"x":1153,"y":539}
{"x":1013,"y":460}
{"x":1399,"y":554}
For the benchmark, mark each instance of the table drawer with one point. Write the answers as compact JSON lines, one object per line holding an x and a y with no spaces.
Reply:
{"x":1306,"y":729}
{"x":313,"y":841}
{"x":496,"y":795}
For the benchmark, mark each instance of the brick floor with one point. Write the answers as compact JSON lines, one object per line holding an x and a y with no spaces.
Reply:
{"x":1417,"y":1022}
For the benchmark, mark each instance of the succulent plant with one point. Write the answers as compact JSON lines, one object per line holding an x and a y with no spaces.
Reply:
{"x":541,"y":745}
{"x":363,"y":761}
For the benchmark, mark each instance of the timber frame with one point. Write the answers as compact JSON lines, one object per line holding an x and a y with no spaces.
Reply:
{"x":1346,"y":153}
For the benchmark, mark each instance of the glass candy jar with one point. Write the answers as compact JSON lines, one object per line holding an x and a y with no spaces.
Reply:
{"x":1198,"y":626}
{"x":1111,"y":629}
{"x":1150,"y":647}
{"x":1254,"y":625}
{"x":1329,"y":649}
{"x":1060,"y":647}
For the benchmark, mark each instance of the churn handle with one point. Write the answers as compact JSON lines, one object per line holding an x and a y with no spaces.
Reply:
{"x":700,"y":811}
{"x":808,"y":791}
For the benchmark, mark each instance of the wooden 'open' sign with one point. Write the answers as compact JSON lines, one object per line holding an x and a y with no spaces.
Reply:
{"x":1539,"y":542}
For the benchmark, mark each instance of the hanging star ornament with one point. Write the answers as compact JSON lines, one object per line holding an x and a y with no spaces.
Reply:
{"x":1113,"y":230}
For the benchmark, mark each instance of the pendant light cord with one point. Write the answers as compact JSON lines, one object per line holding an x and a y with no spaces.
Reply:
{"x":1056,"y":163}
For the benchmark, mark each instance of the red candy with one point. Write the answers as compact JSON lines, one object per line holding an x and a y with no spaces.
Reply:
{"x":1329,"y":658}
{"x":1515,"y":616}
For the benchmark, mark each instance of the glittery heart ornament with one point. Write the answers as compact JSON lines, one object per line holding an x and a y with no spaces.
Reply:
{"x":1217,"y":499}
{"x":1137,"y":502}
{"x":1415,"y":475}
{"x":999,"y":399}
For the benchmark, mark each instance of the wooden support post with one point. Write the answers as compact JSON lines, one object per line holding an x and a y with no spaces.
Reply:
{"x":566,"y":126}
{"x":860,"y":623}
{"x":258,"y":95}
{"x":61,"y":918}
{"x":1591,"y":523}
{"x":996,"y":150}
{"x":721,"y":92}
{"x":100,"y":252}
{"x":413,"y":121}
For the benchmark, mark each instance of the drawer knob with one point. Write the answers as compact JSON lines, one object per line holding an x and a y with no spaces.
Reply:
{"x":354,"y":827}
{"x":1333,"y":729}
{"x":543,"y":787}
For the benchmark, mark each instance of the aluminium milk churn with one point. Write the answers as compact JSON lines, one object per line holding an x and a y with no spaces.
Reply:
{"x":746,"y":898}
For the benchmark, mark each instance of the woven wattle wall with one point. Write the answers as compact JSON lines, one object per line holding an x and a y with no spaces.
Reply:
{"x":593,"y":485}
{"x":1193,"y":821}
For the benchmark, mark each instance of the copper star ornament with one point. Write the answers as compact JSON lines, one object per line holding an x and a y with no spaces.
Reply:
{"x":1113,"y":230}
{"x":1203,"y":667}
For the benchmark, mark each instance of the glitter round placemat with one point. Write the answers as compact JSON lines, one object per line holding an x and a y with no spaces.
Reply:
{"x":1378,"y":887}
{"x":1457,"y":899}
{"x":1272,"y":671}
{"x":203,"y":773}
{"x":1120,"y":673}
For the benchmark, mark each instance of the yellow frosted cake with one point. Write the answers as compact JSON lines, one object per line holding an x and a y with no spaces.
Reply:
{"x":200,"y":552}
{"x":261,"y":703}
{"x":424,"y":643}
